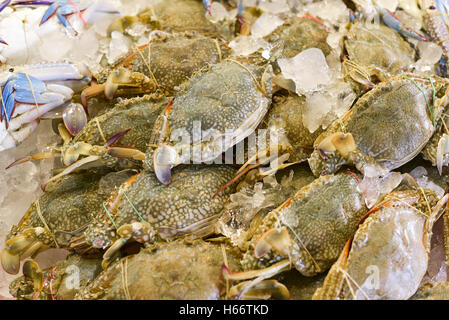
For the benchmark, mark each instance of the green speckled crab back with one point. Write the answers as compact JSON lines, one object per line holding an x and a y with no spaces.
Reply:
{"x":221,"y":98}
{"x":391,"y":123}
{"x":185,"y":201}
{"x":137,"y":114}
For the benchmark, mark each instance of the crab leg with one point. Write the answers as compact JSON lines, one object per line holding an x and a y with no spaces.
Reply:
{"x":261,"y":291}
{"x":10,"y":139}
{"x":394,"y":23}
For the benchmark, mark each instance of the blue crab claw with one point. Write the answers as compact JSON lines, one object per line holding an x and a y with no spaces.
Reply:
{"x":164,"y":159}
{"x":31,"y":93}
{"x":3,"y":41}
{"x":390,"y":20}
{"x":62,"y":9}
{"x":74,"y":118}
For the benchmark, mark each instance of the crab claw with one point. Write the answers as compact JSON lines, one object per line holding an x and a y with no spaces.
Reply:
{"x":271,"y":271}
{"x":165,"y":158}
{"x":393,"y":22}
{"x":19,"y":248}
{"x":263,"y":290}
{"x":37,"y":156}
{"x":32,"y":271}
{"x":341,"y":142}
{"x":442,"y":150}
{"x":75,"y":118}
{"x":3,"y":41}
{"x":31,"y":93}
{"x":276,"y":239}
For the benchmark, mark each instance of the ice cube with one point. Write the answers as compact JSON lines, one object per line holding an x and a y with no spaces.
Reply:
{"x":308,"y":69}
{"x":217,"y":12}
{"x":118,"y":47}
{"x":265,"y":24}
{"x":245,"y":45}
{"x":332,"y":11}
{"x":274,"y":6}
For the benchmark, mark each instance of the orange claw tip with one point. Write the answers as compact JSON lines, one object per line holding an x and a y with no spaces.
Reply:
{"x":225,"y":271}
{"x":17,"y":162}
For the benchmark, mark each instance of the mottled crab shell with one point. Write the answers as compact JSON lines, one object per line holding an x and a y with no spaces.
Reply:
{"x":171,"y":210}
{"x":378,"y":48}
{"x":320,"y":218}
{"x":388,"y":255}
{"x":67,"y":206}
{"x":171,"y":16}
{"x":174,"y":271}
{"x":172,"y":59}
{"x":137,"y":114}
{"x":432,"y":291}
{"x":288,"y":112}
{"x":390,"y":125}
{"x":226,"y":101}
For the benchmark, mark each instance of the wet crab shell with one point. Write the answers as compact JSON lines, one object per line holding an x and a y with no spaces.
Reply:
{"x":388,"y":255}
{"x":379,"y":49}
{"x":171,"y":16}
{"x":389,"y":125}
{"x":319,"y":218}
{"x":66,"y":206}
{"x":175,"y":271}
{"x":171,"y":210}
{"x":170,"y":60}
{"x":226,"y":101}
{"x":137,"y":114}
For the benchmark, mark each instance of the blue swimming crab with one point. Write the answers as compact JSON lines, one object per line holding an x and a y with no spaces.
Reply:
{"x":161,"y":65}
{"x":387,"y":257}
{"x":60,"y":214}
{"x":175,"y":270}
{"x":144,"y":210}
{"x":307,"y":232}
{"x":127,"y":124}
{"x":30,"y":92}
{"x":223,"y":104}
{"x":375,"y":135}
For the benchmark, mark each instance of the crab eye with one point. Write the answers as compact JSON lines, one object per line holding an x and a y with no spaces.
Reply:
{"x":432,"y":8}
{"x":11,"y":70}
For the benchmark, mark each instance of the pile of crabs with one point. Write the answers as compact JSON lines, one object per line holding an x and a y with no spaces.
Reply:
{"x":340,"y":213}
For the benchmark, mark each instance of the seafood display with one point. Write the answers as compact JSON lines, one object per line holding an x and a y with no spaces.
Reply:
{"x":221,"y":150}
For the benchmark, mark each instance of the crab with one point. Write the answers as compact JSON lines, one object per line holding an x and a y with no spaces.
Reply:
{"x":163,"y":64}
{"x":175,"y":271}
{"x":145,"y":211}
{"x":30,"y":92}
{"x":128,"y":122}
{"x":62,"y":212}
{"x":220,"y":106}
{"x":171,"y":16}
{"x":307,"y":232}
{"x":59,"y":282}
{"x":388,"y":255}
{"x":375,"y":134}
{"x":375,"y":53}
